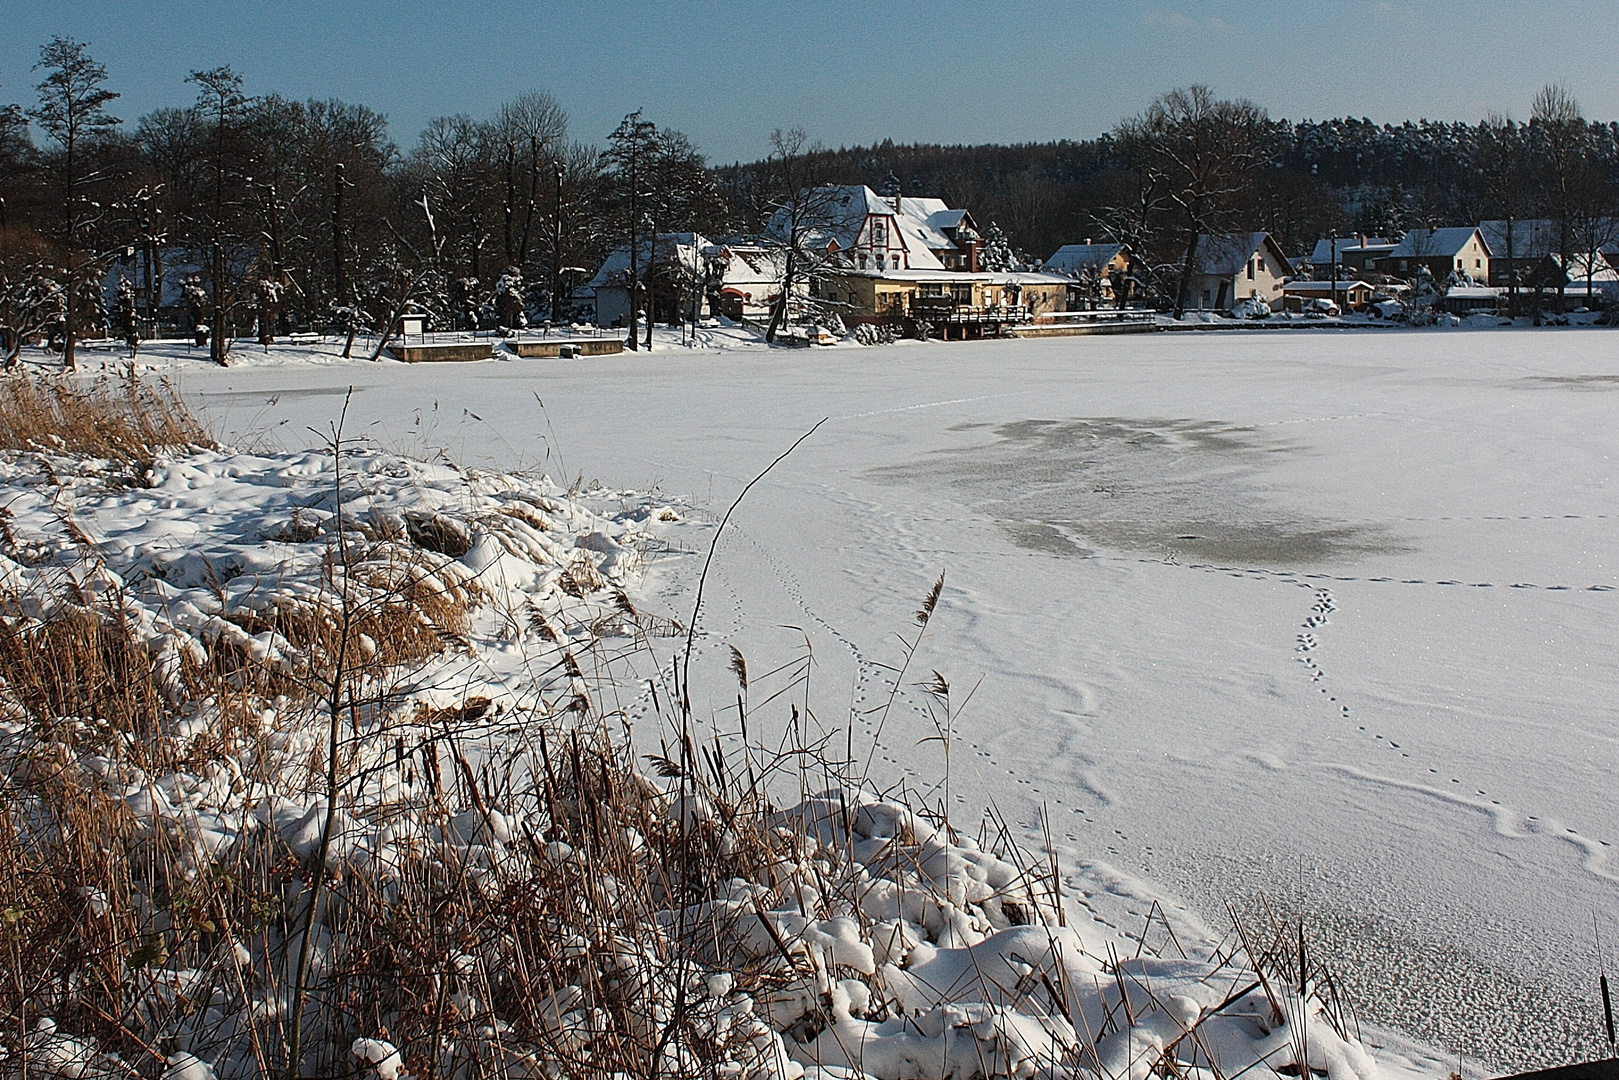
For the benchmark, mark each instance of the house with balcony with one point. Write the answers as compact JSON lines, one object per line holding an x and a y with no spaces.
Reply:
{"x":892,"y":258}
{"x":854,"y":226}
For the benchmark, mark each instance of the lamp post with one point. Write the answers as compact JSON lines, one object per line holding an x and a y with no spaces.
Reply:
{"x":1333,"y":255}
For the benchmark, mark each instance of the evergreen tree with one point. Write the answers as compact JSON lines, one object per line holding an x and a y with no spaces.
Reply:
{"x":72,"y":112}
{"x":997,"y":255}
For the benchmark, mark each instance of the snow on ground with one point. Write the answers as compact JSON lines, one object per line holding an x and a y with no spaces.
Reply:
{"x":212,"y":547}
{"x":1329,"y":616}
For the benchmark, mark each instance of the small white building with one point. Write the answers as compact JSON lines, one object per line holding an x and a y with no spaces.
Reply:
{"x":678,"y":268}
{"x":750,"y":279}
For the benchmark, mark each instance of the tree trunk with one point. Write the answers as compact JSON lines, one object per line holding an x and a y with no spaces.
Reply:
{"x":1512,"y":273}
{"x":635,"y":258}
{"x":339,"y":278}
{"x":651,"y":279}
{"x":216,"y":317}
{"x":778,"y":314}
{"x":1185,"y":284}
{"x":69,"y":359}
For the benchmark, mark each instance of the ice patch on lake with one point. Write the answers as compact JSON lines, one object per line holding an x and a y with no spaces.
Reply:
{"x":1180,"y":489}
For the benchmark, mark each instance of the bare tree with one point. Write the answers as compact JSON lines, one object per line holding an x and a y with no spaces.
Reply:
{"x":72,"y":112}
{"x":1561,"y":142}
{"x":1502,"y":163}
{"x":532,"y":130}
{"x":1593,"y":227}
{"x":220,"y":98}
{"x":1196,"y":155}
{"x":804,"y":207}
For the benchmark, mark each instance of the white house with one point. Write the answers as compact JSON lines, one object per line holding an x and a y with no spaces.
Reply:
{"x":861,"y":230}
{"x":1237,"y":267}
{"x":678,"y":268}
{"x":750,"y":279}
{"x":1460,"y":250}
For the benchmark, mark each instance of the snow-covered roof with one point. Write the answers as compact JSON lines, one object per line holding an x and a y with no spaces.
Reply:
{"x":683,"y":248}
{"x":750,"y":264}
{"x":946,"y":219}
{"x":918,"y":224}
{"x":1345,"y":244}
{"x":1436,"y":243}
{"x":1072,"y":258}
{"x":1324,"y":287}
{"x":1536,"y":238}
{"x":1532,"y":238}
{"x":1223,"y":256}
{"x":958,"y":277}
{"x":1472,"y":292}
{"x":1598,"y":268}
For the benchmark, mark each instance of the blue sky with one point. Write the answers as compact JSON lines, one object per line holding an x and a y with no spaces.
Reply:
{"x":848,"y":72}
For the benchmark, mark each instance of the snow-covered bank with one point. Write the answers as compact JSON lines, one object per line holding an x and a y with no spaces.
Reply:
{"x":845,"y":936}
{"x":168,"y":355}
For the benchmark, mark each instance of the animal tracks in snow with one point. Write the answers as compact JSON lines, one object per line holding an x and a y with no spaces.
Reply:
{"x":1506,"y":821}
{"x":1304,"y":580}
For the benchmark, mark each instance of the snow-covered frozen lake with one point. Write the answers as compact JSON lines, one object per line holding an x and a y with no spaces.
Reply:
{"x":1329,"y":616}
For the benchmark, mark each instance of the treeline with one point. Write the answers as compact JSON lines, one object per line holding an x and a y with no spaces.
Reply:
{"x":257,"y":211}
{"x":1351,"y":175}
{"x":262,"y":212}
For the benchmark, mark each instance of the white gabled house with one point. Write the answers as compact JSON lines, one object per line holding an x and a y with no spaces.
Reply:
{"x":1237,"y":267}
{"x":1460,"y":250}
{"x":677,"y":269}
{"x":749,"y":279}
{"x":859,"y":229}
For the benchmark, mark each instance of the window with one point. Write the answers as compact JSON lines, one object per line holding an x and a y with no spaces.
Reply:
{"x":1251,"y":263}
{"x":879,"y":233}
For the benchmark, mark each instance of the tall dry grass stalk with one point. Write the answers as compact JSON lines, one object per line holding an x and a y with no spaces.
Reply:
{"x":125,"y":420}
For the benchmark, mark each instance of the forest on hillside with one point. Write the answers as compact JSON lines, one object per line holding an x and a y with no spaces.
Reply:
{"x":263,"y":212}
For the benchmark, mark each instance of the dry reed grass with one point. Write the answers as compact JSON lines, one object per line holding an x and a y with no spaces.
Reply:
{"x":496,"y":894}
{"x":124,"y":420}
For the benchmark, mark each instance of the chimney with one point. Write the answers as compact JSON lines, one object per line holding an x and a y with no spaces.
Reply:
{"x":972,"y":256}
